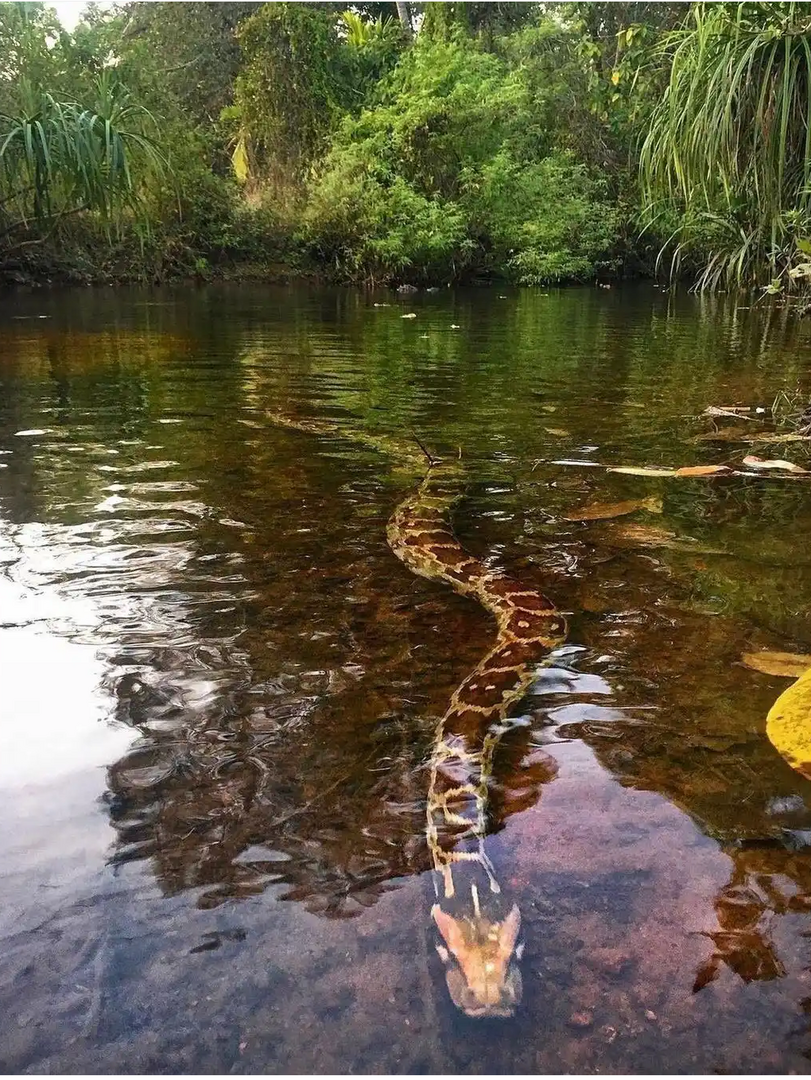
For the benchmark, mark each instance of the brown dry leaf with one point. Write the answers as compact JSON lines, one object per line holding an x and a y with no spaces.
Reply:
{"x":640,"y":470}
{"x":754,"y":462}
{"x":786,"y":664}
{"x":603,"y":511}
{"x":702,"y":470}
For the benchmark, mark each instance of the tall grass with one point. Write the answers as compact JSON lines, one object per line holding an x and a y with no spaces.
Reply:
{"x":59,"y":158}
{"x":727,"y":155}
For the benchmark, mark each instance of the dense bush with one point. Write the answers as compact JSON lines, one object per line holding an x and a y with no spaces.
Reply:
{"x":499,"y":140}
{"x":441,"y":180}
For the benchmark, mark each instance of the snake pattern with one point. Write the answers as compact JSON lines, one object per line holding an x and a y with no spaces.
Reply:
{"x":478,"y":925}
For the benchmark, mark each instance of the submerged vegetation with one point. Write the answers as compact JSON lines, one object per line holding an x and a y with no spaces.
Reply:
{"x":406,"y":143}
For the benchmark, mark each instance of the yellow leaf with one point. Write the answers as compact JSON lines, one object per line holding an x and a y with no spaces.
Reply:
{"x":239,"y":160}
{"x":788,"y":725}
{"x":785,"y":664}
{"x":615,"y":78}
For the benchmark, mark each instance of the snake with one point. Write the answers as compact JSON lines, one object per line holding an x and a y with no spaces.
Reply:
{"x":479,"y":939}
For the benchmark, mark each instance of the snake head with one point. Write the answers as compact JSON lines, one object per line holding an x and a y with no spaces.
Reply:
{"x":481,"y":962}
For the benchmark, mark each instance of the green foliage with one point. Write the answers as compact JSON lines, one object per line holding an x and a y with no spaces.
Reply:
{"x":372,"y":232}
{"x":729,"y":146}
{"x":190,"y":49}
{"x":292,"y":82}
{"x":486,"y":21}
{"x":500,"y":140}
{"x":60,"y":157}
{"x":25,"y":31}
{"x":304,"y":68}
{"x":548,"y":221}
{"x":444,"y":179}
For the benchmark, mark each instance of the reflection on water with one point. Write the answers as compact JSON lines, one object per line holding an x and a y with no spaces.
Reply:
{"x":220,"y":686}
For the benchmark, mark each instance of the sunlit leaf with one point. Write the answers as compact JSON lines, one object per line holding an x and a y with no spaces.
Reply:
{"x":640,"y":470}
{"x":788,"y":725}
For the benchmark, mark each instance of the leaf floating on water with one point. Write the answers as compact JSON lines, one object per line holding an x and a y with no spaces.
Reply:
{"x":785,"y":664}
{"x":562,"y":432}
{"x":411,"y":315}
{"x":703,"y":470}
{"x":640,"y":470}
{"x":604,"y":511}
{"x":577,"y":461}
{"x":754,"y":462}
{"x":788,"y":725}
{"x":737,"y":411}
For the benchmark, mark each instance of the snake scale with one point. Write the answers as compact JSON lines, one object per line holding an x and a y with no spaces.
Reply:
{"x":478,"y":925}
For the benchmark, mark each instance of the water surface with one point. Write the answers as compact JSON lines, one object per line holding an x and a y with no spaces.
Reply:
{"x":220,"y":687}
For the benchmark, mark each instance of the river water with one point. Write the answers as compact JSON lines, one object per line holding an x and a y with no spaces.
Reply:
{"x":219,"y":686}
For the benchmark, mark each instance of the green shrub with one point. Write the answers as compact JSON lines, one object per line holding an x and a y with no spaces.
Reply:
{"x":546,"y":221}
{"x":439,"y":181}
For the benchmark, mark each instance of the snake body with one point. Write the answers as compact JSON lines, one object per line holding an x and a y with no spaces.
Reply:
{"x":479,"y":926}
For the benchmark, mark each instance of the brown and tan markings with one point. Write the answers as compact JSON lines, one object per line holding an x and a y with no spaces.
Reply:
{"x":478,"y":925}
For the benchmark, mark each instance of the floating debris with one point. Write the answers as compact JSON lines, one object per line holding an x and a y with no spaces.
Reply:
{"x":785,"y":664}
{"x":640,"y":470}
{"x":754,"y":462}
{"x":703,"y":470}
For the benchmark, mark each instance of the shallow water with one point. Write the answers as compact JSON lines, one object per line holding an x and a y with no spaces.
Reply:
{"x":219,"y":685}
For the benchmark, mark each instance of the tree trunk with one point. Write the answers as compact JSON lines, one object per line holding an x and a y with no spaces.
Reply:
{"x":405,"y":17}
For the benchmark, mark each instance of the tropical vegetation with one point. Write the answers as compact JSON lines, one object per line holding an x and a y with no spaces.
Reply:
{"x":383,"y":143}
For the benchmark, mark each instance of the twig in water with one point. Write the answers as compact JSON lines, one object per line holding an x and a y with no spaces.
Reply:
{"x":431,"y":460}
